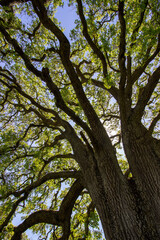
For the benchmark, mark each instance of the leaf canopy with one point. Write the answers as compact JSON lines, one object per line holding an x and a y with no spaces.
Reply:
{"x":40,"y":119}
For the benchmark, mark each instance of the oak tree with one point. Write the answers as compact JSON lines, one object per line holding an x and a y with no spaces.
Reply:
{"x":80,"y":120}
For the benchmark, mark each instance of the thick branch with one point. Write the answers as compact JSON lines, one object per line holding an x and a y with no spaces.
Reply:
{"x":62,"y":105}
{"x":122,"y":46}
{"x":39,"y":182}
{"x":42,"y":216}
{"x":64,"y":54}
{"x":60,"y":218}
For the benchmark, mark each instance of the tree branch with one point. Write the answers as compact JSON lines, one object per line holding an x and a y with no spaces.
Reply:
{"x":14,"y":207}
{"x":60,"y":218}
{"x":45,"y":71}
{"x":94,"y":47}
{"x":140,"y":70}
{"x":59,"y":100}
{"x":64,"y":54}
{"x":45,"y":178}
{"x":62,"y":105}
{"x":153,"y":123}
{"x":138,"y":25}
{"x":113,"y":90}
{"x":147,"y":92}
{"x":41,"y":216}
{"x":122,"y":46}
{"x":11,"y":2}
{"x":19,"y":50}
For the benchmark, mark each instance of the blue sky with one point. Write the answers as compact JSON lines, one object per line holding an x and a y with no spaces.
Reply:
{"x":66,"y":15}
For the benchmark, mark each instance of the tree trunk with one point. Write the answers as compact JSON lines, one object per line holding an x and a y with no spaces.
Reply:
{"x":122,"y":211}
{"x":128,"y":208}
{"x":116,"y":210}
{"x":144,"y":161}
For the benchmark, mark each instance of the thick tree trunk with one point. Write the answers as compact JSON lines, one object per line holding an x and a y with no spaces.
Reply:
{"x":128,"y":209}
{"x":117,"y":210}
{"x":144,"y":163}
{"x":123,"y":213}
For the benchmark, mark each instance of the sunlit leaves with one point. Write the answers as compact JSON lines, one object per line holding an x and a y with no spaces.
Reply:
{"x":33,"y":137}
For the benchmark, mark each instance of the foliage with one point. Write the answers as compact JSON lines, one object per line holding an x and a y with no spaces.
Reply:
{"x":51,"y":88}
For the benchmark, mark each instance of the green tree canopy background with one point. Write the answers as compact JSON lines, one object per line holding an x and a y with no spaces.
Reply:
{"x":69,"y":108}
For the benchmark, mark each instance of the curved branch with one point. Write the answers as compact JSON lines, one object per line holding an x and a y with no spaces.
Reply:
{"x":113,"y":90}
{"x":45,"y":178}
{"x":14,"y":207}
{"x":42,"y":216}
{"x":94,"y":47}
{"x":146,"y":94}
{"x":19,"y":50}
{"x":24,"y":94}
{"x":60,"y":218}
{"x":136,"y":29}
{"x":140,"y":70}
{"x":109,"y":63}
{"x":153,"y":123}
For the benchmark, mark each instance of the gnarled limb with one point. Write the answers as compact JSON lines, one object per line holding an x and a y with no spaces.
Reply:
{"x":60,"y":218}
{"x":45,"y":178}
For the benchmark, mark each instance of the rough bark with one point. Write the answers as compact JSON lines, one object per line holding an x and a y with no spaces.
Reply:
{"x":140,"y":149}
{"x":129,"y":209}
